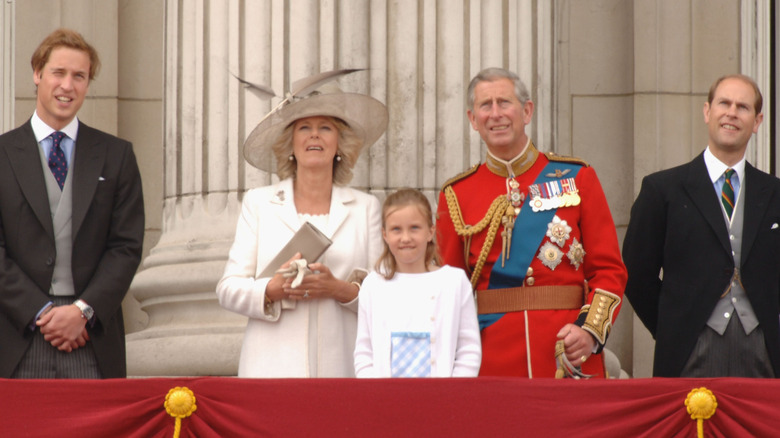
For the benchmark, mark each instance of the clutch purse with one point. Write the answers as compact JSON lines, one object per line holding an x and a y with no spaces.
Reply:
{"x":308,"y":240}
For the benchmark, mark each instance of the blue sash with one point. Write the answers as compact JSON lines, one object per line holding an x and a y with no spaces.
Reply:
{"x":528,"y":233}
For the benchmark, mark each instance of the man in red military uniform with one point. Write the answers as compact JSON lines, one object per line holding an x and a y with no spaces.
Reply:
{"x":535,"y":233}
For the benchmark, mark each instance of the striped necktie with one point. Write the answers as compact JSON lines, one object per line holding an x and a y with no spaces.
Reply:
{"x":727,"y":194}
{"x":57,"y":162}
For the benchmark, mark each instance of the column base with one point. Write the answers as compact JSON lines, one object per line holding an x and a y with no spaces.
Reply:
{"x":184,"y":352}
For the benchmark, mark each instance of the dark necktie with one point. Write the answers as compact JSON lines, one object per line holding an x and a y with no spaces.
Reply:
{"x":727,"y":194}
{"x":57,"y":162}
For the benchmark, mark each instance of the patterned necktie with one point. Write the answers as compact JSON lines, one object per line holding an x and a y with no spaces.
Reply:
{"x":57,"y":162}
{"x":727,"y":194}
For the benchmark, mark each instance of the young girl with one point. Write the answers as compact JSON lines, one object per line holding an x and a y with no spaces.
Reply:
{"x":415,"y":319}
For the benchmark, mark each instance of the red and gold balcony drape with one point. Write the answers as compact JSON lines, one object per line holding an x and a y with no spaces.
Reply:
{"x":231,"y":407}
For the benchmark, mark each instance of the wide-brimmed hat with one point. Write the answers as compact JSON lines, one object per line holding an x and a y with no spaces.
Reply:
{"x":366,"y":116}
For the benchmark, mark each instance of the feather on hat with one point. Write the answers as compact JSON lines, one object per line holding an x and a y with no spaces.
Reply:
{"x":313,"y":96}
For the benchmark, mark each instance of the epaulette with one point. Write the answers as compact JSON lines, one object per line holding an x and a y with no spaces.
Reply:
{"x":460,"y":176}
{"x":552,"y":156}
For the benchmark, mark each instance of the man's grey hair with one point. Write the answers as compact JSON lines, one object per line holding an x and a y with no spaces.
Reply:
{"x":494,"y":73}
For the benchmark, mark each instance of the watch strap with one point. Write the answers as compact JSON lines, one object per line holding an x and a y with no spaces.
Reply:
{"x":86,"y":310}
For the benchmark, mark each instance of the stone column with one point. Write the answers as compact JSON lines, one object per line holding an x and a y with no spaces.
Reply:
{"x":188,"y":333}
{"x":6,"y":66}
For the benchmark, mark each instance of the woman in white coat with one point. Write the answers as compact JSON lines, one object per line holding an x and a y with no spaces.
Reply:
{"x":307,"y":331}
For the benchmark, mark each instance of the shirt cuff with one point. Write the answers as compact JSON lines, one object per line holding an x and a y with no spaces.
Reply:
{"x":38,"y":315}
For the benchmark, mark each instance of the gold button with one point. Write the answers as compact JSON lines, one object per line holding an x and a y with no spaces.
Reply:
{"x":530,"y":281}
{"x":529,"y":272}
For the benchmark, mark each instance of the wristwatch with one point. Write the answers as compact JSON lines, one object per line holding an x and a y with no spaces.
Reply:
{"x":86,"y":310}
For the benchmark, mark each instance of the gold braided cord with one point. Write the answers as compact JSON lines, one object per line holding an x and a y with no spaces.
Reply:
{"x":493,"y":217}
{"x":491,"y":236}
{"x":457,"y":218}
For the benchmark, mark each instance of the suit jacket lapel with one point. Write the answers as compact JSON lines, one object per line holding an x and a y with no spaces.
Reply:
{"x":701,"y":191}
{"x":338,"y":209}
{"x":757,"y":198}
{"x":25,"y":152}
{"x":283,"y":202}
{"x":88,"y":160}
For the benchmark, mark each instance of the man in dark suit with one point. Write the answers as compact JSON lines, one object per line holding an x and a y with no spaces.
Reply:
{"x":71,"y":228}
{"x":703,"y":250}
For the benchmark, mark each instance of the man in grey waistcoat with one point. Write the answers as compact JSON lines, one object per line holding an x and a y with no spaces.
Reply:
{"x":71,"y":228}
{"x":703,"y":250}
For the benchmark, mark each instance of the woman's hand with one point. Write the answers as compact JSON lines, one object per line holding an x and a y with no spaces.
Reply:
{"x":321,"y":284}
{"x":275,"y":289}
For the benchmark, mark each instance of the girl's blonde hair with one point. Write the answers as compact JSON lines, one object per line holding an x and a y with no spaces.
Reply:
{"x":386,"y":264}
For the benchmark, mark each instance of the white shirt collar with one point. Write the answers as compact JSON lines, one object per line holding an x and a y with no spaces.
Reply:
{"x":716,"y":168}
{"x":42,"y":130}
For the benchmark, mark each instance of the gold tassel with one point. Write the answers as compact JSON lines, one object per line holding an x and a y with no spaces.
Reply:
{"x":701,"y":405}
{"x":179,"y":403}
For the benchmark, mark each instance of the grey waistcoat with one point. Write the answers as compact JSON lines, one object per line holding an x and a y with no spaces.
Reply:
{"x":734,"y":297}
{"x":61,"y":205}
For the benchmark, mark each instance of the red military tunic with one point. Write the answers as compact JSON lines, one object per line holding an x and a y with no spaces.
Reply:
{"x":522,"y":343}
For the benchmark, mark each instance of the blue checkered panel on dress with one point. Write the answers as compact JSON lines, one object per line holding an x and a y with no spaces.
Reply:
{"x":411,"y":354}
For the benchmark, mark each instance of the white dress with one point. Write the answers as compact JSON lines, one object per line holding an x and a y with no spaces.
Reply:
{"x":440,"y":303}
{"x":312,"y":338}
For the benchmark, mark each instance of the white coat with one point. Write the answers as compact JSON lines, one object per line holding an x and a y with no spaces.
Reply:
{"x":277,"y":343}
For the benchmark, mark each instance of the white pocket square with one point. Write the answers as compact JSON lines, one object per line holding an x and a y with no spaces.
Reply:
{"x":774,"y":225}
{"x":103,"y":179}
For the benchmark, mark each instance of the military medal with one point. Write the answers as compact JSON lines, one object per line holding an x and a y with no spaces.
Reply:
{"x":569,"y":188}
{"x":550,"y":255}
{"x":554,"y":194}
{"x":558,"y":231}
{"x":538,"y":203}
{"x":576,"y":254}
{"x":516,"y":199}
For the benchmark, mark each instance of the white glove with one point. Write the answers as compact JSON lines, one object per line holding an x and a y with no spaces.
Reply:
{"x":298,"y":268}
